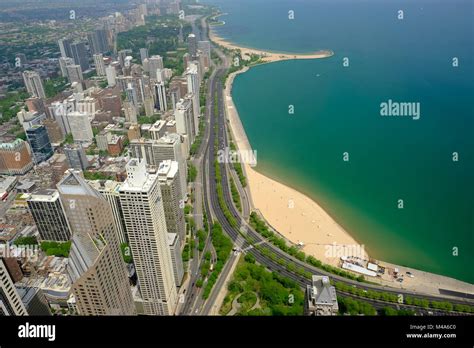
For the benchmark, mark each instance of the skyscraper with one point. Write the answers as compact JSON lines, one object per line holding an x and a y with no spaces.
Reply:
{"x":99,"y":64}
{"x":48,"y":213}
{"x":98,"y":41}
{"x":39,"y":142}
{"x":10,"y":300}
{"x":63,"y":63}
{"x":192,"y":46}
{"x":65,"y":48}
{"x":160,"y":93}
{"x":110,"y":191}
{"x":176,"y":258}
{"x":144,"y":216}
{"x":122,"y":55}
{"x":143,"y":54}
{"x":79,"y":53}
{"x":74,"y":73}
{"x":76,"y":157}
{"x":193,"y":89}
{"x":172,"y":194}
{"x":184,"y":117}
{"x":132,"y":96}
{"x":80,"y":126}
{"x":96,"y":268}
{"x":169,"y":148}
{"x":111,"y":75}
{"x":155,"y":63}
{"x":33,"y":84}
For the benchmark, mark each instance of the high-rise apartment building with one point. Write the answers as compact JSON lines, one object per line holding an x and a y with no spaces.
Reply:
{"x":142,"y":206}
{"x":10,"y":300}
{"x":79,"y":53}
{"x":76,"y":157}
{"x":176,"y":258}
{"x":65,"y":48}
{"x":184,"y":117}
{"x":192,"y":75}
{"x":169,"y":147}
{"x":98,"y":41}
{"x":96,"y":268}
{"x":172,"y":194}
{"x":153,"y":152}
{"x":39,"y":142}
{"x":111,"y":74}
{"x":160,"y":93}
{"x":192,"y":46}
{"x":46,"y":208}
{"x":74,"y":73}
{"x":33,"y":84}
{"x":109,"y":189}
{"x":63,"y":64}
{"x":155,"y":63}
{"x":99,"y":64}
{"x":80,"y":126}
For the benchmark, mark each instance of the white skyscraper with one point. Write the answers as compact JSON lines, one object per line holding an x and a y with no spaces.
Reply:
{"x":143,"y":212}
{"x":192,"y":75}
{"x":160,"y":93}
{"x":10,"y":300}
{"x":33,"y":84}
{"x":80,"y":126}
{"x":154,"y":63}
{"x":111,"y":75}
{"x":169,"y":148}
{"x":184,"y":118}
{"x":63,"y":63}
{"x":99,"y":64}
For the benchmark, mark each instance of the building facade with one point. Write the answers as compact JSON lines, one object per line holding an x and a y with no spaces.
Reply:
{"x":46,"y":208}
{"x":96,"y":268}
{"x":15,"y":158}
{"x":145,"y":222}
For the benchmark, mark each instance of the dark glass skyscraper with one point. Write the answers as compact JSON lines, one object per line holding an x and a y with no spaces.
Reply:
{"x":39,"y":142}
{"x":79,"y":54}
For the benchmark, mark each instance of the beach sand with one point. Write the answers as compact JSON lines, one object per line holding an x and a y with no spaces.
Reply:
{"x":267,"y":56}
{"x":300,"y":219}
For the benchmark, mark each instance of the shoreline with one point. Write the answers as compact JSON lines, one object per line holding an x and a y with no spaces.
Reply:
{"x":298,"y":218}
{"x":266,"y":55}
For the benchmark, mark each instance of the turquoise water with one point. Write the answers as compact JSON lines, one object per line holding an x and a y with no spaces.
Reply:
{"x":337,"y":110}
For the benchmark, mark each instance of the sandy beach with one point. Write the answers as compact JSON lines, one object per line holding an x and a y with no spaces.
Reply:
{"x":266,"y":56}
{"x":302,"y":221}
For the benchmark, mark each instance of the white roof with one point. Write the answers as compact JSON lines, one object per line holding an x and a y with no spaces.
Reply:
{"x":358,"y":269}
{"x":372,"y":266}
